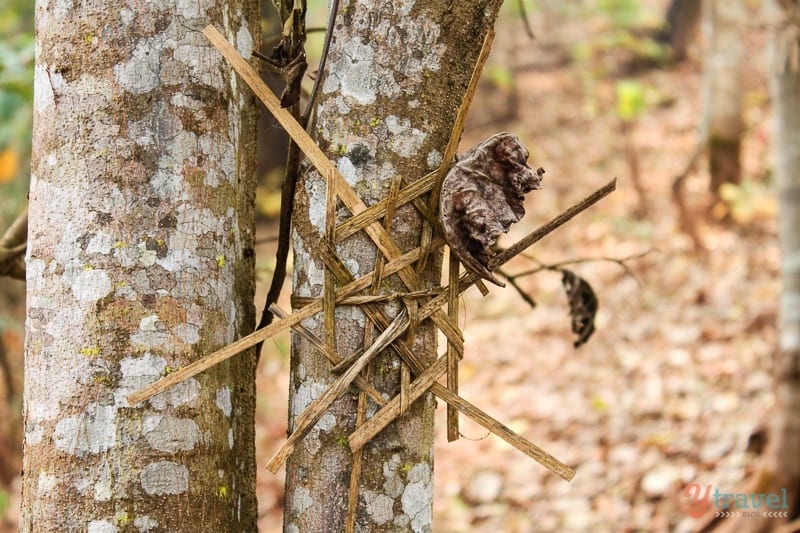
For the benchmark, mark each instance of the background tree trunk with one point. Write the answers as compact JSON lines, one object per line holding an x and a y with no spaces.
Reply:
{"x":140,"y":260}
{"x":682,"y":20}
{"x":396,"y":74}
{"x":782,"y":460}
{"x":780,"y":465}
{"x":725,"y":20}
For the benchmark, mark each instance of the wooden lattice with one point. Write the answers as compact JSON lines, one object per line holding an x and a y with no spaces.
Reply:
{"x":420,"y":303}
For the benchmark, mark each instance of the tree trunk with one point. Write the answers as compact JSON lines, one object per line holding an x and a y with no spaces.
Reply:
{"x":785,"y":430}
{"x":396,"y":74}
{"x":682,"y":20}
{"x":140,"y":260}
{"x":782,"y":460}
{"x":780,"y":465}
{"x":724,"y":90}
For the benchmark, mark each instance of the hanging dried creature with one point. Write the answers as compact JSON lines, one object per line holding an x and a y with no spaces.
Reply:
{"x":482,"y":196}
{"x":582,"y":305}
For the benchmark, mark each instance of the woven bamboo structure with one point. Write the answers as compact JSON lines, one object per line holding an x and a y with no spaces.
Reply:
{"x":420,"y":303}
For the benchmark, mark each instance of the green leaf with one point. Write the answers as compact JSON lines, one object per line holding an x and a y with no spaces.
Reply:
{"x":501,"y":76}
{"x":631,"y":100}
{"x":4,"y":499}
{"x":622,"y":13}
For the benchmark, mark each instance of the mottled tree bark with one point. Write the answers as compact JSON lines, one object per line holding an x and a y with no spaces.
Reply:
{"x":396,"y":74}
{"x":723,"y":69}
{"x":140,"y":260}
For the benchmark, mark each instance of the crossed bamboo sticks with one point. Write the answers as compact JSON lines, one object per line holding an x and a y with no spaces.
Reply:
{"x":368,"y":220}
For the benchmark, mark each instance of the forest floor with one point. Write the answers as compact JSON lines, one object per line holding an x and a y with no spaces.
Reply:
{"x":674,"y":387}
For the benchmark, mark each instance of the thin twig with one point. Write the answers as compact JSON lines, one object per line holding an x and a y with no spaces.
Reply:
{"x":537,"y":235}
{"x":284,"y":233}
{"x":523,"y":12}
{"x":12,"y":247}
{"x":621,"y":261}
{"x":512,"y":280}
{"x":323,"y":60}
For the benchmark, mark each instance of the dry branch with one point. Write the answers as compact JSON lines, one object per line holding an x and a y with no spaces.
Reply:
{"x":12,"y":247}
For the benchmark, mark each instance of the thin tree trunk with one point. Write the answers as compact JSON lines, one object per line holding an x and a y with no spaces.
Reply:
{"x":397,"y":72}
{"x":682,"y":19}
{"x":724,"y":90}
{"x":780,"y":465}
{"x":782,"y":460}
{"x":140,"y":260}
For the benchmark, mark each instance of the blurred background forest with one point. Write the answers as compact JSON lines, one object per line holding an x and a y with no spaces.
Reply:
{"x":675,"y":386}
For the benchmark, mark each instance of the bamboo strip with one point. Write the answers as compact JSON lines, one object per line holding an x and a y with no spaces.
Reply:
{"x":362,"y":299}
{"x":452,"y":146}
{"x":361,"y":409}
{"x":332,"y":261}
{"x":355,"y":471}
{"x":330,"y":354}
{"x":427,"y":380}
{"x":452,"y":354}
{"x":412,"y":306}
{"x":329,"y":282}
{"x":482,"y":287}
{"x":405,"y":384}
{"x":346,"y":362}
{"x":391,"y":410}
{"x":306,"y":420}
{"x":377,"y":211}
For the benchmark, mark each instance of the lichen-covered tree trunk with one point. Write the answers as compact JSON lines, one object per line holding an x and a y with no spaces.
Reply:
{"x":725,"y":23}
{"x":140,"y":260}
{"x":396,"y":74}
